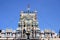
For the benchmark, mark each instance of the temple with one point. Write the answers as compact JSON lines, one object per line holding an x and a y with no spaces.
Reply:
{"x":28,"y":29}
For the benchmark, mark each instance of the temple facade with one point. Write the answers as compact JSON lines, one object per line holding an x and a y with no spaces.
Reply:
{"x":28,"y":29}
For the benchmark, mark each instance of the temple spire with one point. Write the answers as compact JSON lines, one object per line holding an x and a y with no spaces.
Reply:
{"x":28,"y":7}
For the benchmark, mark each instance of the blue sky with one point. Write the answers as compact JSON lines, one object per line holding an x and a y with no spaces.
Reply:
{"x":48,"y":13}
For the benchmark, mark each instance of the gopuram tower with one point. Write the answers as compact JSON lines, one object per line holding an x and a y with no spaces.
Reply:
{"x":28,"y":25}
